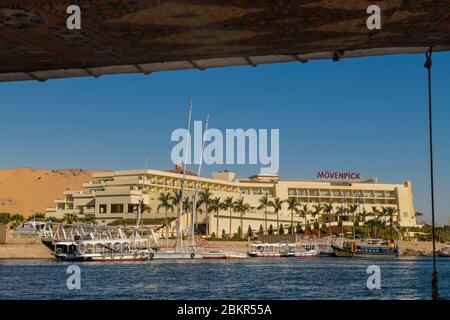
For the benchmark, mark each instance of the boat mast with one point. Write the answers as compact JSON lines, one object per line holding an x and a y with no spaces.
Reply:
{"x":179,"y":245}
{"x":197,"y":186}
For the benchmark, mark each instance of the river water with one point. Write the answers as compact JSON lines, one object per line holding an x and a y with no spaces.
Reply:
{"x":267,"y":279}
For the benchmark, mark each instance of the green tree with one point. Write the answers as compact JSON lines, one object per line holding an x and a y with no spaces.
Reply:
{"x":298,"y":228}
{"x":175,"y":199}
{"x":228,"y":205}
{"x":205,"y":200}
{"x":261,"y":230}
{"x":270,"y":231}
{"x":216,"y":206}
{"x":340,"y":213}
{"x":281,"y":230}
{"x":5,"y":218}
{"x":249,"y":232}
{"x":17,"y":218}
{"x":352,"y":211}
{"x":391,"y":212}
{"x":277,"y":205}
{"x":165,"y":203}
{"x":239,"y":233}
{"x":264,"y":203}
{"x":316,"y":213}
{"x":71,"y":218}
{"x":293,"y":208}
{"x":303,"y":213}
{"x":241,"y":208}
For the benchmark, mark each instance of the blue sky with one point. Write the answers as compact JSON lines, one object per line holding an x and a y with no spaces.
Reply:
{"x":367,"y":115}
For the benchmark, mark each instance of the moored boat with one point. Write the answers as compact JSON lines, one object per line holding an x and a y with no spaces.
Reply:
{"x":367,"y":249}
{"x":302,"y":250}
{"x":268,"y":250}
{"x":444,"y":252}
{"x":224,"y":255}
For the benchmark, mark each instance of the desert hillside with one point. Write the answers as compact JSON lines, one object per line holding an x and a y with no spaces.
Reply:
{"x":17,"y":187}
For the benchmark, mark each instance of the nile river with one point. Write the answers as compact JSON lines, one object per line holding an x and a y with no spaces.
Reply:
{"x":285,"y":278}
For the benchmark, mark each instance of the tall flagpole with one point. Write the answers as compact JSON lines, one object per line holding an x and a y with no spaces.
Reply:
{"x":180,"y":212}
{"x":194,"y":206}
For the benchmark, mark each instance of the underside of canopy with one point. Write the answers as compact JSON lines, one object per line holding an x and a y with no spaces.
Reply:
{"x":145,"y":36}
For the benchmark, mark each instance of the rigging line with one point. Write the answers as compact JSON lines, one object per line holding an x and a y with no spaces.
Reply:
{"x":434,"y":282}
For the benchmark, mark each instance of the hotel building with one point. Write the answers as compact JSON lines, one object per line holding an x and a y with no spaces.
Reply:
{"x":115,"y":195}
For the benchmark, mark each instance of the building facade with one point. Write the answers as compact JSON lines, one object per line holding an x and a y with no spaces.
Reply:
{"x":116,"y":195}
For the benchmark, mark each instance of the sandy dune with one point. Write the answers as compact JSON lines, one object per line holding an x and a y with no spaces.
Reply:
{"x":23,"y":189}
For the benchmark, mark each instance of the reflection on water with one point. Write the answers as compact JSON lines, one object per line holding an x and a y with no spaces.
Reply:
{"x":286,"y":278}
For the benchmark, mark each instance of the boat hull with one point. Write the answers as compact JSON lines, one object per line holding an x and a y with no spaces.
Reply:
{"x":175,"y":256}
{"x":342,"y":252}
{"x":102,"y":258}
{"x":266,"y":255}
{"x":224,"y":256}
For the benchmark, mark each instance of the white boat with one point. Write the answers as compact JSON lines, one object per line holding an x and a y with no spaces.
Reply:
{"x":175,"y":255}
{"x":268,"y":250}
{"x":302,"y":250}
{"x":444,"y":252}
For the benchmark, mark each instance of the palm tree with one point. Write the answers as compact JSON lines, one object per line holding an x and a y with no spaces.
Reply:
{"x":71,"y":218}
{"x":165,"y":203}
{"x":142,"y":207}
{"x":277,"y":205}
{"x":373,"y":225}
{"x":228,"y":205}
{"x":363,"y":215}
{"x":328,"y":210}
{"x":241,"y":208}
{"x":303,"y":213}
{"x":17,"y":220}
{"x":340,"y":212}
{"x":216,"y":206}
{"x":205,"y":199}
{"x":390,"y":212}
{"x":264,"y":203}
{"x":418,"y":214}
{"x":352,"y":210}
{"x":175,"y":199}
{"x":293,"y":207}
{"x":317,"y":210}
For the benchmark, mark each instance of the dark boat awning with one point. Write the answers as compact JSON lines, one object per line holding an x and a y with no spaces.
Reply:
{"x":145,"y":36}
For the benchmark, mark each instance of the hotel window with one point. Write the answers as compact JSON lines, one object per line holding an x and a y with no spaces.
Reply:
{"x":346,"y":194}
{"x":367,"y":194}
{"x":313,"y":192}
{"x":324,"y":193}
{"x":102,"y":208}
{"x":335,"y":193}
{"x":117,"y":208}
{"x":379,"y":194}
{"x":291,"y":192}
{"x":389,"y":194}
{"x":131,"y":208}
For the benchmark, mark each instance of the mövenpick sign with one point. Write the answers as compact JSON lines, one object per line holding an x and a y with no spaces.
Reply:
{"x":343,"y":176}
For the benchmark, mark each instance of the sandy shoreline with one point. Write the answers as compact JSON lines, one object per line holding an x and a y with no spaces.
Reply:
{"x":36,"y":250}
